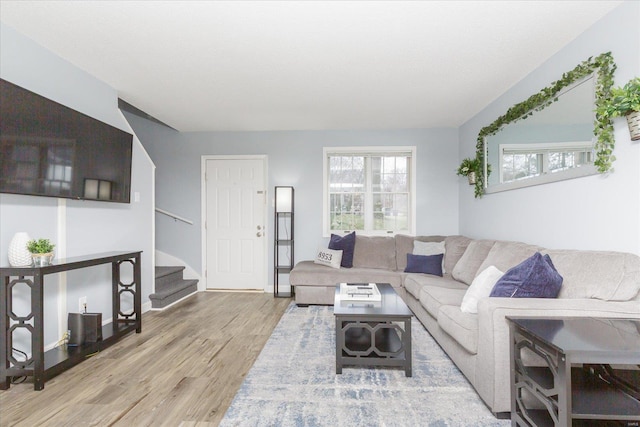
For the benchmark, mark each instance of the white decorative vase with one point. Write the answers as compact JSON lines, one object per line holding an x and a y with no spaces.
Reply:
{"x":633,"y":121}
{"x":19,"y":255}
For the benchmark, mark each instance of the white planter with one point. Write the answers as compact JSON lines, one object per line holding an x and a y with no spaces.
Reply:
{"x":633,"y":120}
{"x":18,"y":254}
{"x":472,"y":178}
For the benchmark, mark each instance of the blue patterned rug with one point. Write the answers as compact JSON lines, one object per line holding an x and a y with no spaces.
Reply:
{"x":293,"y":383}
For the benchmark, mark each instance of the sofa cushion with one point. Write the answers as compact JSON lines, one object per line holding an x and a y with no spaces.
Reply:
{"x":414,"y":283}
{"x":504,"y":255}
{"x":434,"y":297}
{"x":463,"y":327}
{"x":480,"y":288}
{"x":584,"y":272}
{"x":455,"y":247}
{"x":413,"y":287}
{"x":466,"y":268}
{"x":427,"y":264}
{"x":346,"y":244}
{"x":404,"y":246}
{"x":307,"y":273}
{"x":375,"y":252}
{"x":328,"y":257}
{"x":535,"y":277}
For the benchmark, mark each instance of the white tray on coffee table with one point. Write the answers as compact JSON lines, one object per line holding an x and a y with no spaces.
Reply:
{"x":359,"y":292}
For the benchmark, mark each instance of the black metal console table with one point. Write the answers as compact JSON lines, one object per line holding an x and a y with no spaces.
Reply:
{"x":568,"y":392}
{"x":44,"y":365}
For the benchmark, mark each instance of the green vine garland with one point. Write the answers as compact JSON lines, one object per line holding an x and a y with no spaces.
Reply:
{"x":604,"y":66}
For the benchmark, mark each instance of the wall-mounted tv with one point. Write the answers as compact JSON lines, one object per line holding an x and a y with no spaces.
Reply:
{"x":47,"y":149}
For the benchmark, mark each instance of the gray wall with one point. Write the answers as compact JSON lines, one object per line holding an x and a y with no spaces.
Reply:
{"x":76,"y":227}
{"x":594,"y":212}
{"x":294,"y":158}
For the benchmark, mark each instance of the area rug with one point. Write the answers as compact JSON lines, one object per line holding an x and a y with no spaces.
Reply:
{"x":293,"y":383}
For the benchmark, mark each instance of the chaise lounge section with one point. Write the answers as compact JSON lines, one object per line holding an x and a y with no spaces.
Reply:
{"x":595,"y":284}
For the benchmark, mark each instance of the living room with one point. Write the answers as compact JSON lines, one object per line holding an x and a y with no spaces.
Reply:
{"x":597,"y":212}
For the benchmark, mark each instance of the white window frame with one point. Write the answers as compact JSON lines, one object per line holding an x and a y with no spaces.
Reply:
{"x":369,"y":150}
{"x":545,"y":177}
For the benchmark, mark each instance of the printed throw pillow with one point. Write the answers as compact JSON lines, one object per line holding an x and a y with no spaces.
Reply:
{"x":328,"y":257}
{"x":429,"y":248}
{"x":346,"y":244}
{"x":480,"y":288}
{"x":428,"y":264}
{"x":535,"y":277}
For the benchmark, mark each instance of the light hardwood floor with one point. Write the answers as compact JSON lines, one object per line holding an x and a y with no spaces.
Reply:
{"x":182,"y":370}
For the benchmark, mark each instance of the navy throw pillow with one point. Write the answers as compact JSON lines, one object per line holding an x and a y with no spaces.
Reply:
{"x":428,"y":264}
{"x":346,"y":244}
{"x":535,"y":277}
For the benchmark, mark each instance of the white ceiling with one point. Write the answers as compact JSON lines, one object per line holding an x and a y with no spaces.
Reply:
{"x":261,"y":65}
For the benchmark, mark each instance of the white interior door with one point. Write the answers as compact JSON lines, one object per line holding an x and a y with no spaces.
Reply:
{"x":235,"y":215}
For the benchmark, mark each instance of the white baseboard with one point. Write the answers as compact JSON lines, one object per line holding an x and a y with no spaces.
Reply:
{"x":146,"y":306}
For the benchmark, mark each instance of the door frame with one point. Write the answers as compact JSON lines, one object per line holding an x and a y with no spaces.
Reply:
{"x":203,"y":211}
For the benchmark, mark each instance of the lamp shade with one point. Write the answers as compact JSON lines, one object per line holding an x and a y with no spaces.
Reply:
{"x":284,"y":199}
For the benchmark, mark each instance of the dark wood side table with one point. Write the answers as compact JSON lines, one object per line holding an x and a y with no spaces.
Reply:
{"x":373,"y":334}
{"x":565,"y":386}
{"x":45,"y":365}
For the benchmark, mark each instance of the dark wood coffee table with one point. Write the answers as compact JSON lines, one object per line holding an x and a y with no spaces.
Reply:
{"x":577,"y":382}
{"x":373,"y":333}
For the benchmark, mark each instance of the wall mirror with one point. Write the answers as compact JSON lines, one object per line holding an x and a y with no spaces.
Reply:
{"x":552,"y":144}
{"x":554,"y":135}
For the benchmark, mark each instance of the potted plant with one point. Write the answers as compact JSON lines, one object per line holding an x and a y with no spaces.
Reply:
{"x":471,"y":168}
{"x":625,"y":101}
{"x":41,"y":251}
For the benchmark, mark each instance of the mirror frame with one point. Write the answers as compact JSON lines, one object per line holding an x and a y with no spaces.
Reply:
{"x":603,"y":67}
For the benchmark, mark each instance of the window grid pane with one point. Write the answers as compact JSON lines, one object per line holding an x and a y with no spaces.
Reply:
{"x":520,"y":164}
{"x":369,"y":186}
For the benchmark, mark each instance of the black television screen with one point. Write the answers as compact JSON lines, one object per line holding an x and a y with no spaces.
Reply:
{"x":47,"y":149}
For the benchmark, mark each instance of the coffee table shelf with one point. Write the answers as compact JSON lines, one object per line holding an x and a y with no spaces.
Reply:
{"x":387,"y":340}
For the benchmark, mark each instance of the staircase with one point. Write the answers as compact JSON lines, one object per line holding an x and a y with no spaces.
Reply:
{"x":171,"y":286}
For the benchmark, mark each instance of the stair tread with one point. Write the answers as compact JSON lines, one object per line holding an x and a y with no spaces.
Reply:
{"x":167,"y":270}
{"x":174,"y":288}
{"x":170,"y":299}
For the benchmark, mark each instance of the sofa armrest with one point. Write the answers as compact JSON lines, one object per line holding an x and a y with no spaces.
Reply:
{"x":493,"y":362}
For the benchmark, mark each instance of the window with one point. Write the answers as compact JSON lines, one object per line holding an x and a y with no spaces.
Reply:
{"x":531,"y":160}
{"x":369,"y":189}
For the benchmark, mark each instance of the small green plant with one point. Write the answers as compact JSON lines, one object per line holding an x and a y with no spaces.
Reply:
{"x":623,"y":101}
{"x":40,"y":246}
{"x":469,"y":165}
{"x":627,"y":98}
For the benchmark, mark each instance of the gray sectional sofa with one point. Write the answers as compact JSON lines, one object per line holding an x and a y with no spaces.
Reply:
{"x":596,"y":284}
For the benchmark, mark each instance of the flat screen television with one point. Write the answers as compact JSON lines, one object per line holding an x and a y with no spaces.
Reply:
{"x":47,"y":149}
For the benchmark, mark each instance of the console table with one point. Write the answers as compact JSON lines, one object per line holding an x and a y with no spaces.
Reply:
{"x":573,"y":385}
{"x":43,"y":365}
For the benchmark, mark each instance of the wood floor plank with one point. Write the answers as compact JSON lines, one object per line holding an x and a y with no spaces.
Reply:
{"x":183,"y":369}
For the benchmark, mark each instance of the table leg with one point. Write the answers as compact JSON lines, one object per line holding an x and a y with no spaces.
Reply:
{"x":512,"y":373}
{"x":115,"y":295}
{"x":564,"y":392}
{"x":5,"y":381}
{"x":339,"y":344}
{"x":137,"y":274}
{"x":406,"y":338}
{"x":37,"y":339}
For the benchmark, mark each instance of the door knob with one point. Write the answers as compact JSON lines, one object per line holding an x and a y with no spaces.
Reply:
{"x":259,"y":227}
{"x":259,"y":234}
